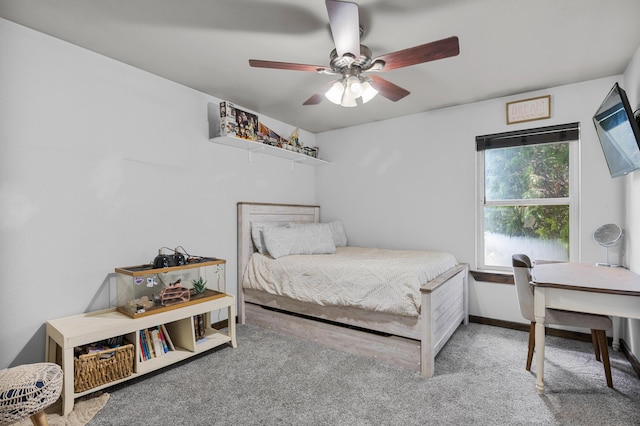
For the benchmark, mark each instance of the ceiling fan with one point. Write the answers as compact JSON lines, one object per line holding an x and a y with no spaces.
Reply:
{"x":353,"y":62}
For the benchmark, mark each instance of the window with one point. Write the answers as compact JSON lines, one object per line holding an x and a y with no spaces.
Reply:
{"x":527,"y":189}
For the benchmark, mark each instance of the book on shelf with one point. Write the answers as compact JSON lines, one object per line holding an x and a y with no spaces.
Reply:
{"x":155,"y":342}
{"x":144,"y":351}
{"x":167,"y":338}
{"x":147,"y":335}
{"x":199,"y":327}
{"x":158,"y":350}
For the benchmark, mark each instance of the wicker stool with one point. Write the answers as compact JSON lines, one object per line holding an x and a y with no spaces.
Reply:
{"x":26,"y":390}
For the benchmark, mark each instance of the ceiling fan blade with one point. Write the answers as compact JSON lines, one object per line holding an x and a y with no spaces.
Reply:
{"x":288,"y":66}
{"x":440,"y":49}
{"x":315,"y":99}
{"x":345,"y":26}
{"x":388,"y":89}
{"x":318,"y":97}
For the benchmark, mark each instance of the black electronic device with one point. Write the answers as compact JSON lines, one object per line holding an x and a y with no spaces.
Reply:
{"x":619,"y":133}
{"x":162,"y":261}
{"x":176,"y":259}
{"x":167,"y":260}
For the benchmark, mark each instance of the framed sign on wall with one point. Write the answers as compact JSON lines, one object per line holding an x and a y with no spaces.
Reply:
{"x":529,"y":109}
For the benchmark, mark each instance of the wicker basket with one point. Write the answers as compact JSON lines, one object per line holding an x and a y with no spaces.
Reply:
{"x":90,"y":370}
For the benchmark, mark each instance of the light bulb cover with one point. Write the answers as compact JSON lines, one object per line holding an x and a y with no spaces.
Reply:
{"x":368,"y":92}
{"x":348,"y":99}
{"x":334,"y":94}
{"x":355,"y":85}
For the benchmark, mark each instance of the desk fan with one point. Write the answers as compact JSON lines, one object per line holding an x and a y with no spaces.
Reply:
{"x":609,"y":235}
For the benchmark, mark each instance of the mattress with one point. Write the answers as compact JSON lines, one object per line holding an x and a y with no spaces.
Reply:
{"x":368,"y":278}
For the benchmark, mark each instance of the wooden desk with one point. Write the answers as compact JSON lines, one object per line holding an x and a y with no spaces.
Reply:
{"x":581,"y":287}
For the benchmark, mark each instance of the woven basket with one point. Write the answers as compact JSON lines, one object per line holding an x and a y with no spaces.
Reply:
{"x":91,"y":371}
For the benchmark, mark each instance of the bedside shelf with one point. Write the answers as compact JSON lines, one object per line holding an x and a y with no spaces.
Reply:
{"x":261,"y":148}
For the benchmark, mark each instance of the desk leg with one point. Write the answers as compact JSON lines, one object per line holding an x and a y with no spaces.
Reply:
{"x":539,"y":311}
{"x":616,"y":333}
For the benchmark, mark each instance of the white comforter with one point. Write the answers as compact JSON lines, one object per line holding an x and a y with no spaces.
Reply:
{"x":369,"y":278}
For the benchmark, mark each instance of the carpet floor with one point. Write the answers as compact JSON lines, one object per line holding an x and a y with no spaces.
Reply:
{"x":479,"y":379}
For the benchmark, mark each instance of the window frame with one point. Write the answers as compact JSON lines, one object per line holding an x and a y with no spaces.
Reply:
{"x":551,"y":135}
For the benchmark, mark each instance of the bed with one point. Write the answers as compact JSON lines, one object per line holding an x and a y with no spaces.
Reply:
{"x":400,"y":337}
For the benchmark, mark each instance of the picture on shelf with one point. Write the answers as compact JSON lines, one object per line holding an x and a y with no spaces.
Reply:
{"x":227,"y":109}
{"x":247,"y":125}
{"x":263,"y":133}
{"x":240,"y":124}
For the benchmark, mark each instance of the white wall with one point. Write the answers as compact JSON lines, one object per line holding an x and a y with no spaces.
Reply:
{"x":410,"y":182}
{"x":631,"y":331}
{"x":101,"y":164}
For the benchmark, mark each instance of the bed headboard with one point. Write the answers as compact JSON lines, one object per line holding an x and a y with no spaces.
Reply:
{"x":263,"y":212}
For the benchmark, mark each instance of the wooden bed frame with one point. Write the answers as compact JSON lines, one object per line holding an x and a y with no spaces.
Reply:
{"x":409,"y":342}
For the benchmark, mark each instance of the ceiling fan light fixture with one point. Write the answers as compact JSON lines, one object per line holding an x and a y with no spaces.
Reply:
{"x":346,"y":92}
{"x":348,"y":99}
{"x":368,"y":92}
{"x":334,"y":94}
{"x":354,"y":85}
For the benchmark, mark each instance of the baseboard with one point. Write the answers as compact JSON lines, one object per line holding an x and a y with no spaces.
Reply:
{"x":626,"y":350}
{"x":222,"y":324}
{"x":585,"y":337}
{"x":574,"y":335}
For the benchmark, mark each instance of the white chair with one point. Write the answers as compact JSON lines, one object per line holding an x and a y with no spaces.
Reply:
{"x":26,"y":390}
{"x":599,"y":324}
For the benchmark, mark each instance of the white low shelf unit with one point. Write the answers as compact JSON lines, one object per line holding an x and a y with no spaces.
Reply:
{"x":64,"y":334}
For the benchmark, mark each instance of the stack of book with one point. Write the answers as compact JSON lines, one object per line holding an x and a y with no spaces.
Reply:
{"x":199,"y":327}
{"x":154,"y":342}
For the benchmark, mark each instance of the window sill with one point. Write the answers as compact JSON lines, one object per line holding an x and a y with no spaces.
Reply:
{"x":492,"y":277}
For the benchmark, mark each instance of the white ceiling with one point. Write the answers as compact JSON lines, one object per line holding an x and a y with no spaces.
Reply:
{"x":506,"y":47}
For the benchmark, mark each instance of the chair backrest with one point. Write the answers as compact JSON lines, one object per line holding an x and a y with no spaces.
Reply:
{"x":524,"y":290}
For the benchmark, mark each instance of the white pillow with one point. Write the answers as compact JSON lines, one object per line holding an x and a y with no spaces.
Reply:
{"x":298,"y":240}
{"x":337,"y":231}
{"x":257,"y":233}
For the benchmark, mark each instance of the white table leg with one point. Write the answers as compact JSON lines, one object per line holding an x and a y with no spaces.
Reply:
{"x":231,"y":315}
{"x":539,"y":312}
{"x":616,"y":333}
{"x":67,"y":382}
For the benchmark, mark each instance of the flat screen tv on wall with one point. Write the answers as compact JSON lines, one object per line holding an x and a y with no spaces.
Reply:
{"x":618,"y":132}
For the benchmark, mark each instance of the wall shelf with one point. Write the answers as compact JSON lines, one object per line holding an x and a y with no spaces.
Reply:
{"x":261,"y":148}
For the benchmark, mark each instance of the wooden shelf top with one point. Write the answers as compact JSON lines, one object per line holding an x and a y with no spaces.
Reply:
{"x":205,"y":297}
{"x":142,"y":270}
